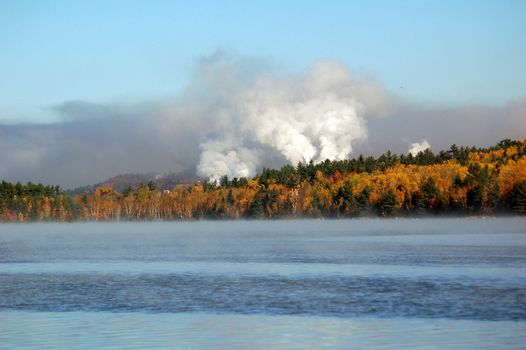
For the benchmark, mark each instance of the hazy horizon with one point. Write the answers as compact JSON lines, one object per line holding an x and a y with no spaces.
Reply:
{"x":93,"y":90}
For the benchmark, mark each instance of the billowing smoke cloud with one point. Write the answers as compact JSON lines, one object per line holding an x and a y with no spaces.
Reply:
{"x":235,"y":116}
{"x":315,"y":116}
{"x":419,"y":147}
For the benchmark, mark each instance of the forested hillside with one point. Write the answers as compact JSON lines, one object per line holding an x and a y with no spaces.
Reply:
{"x":459,"y":181}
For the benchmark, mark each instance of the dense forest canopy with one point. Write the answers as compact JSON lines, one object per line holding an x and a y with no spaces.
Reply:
{"x":459,"y":181}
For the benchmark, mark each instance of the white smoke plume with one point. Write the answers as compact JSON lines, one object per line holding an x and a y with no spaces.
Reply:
{"x":235,"y":116}
{"x":315,"y":116}
{"x":419,"y":147}
{"x":223,"y":158}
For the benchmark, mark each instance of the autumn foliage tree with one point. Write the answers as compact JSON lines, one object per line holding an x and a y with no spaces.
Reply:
{"x":459,"y":181}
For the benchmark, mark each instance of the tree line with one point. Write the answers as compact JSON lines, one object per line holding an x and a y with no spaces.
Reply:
{"x":459,"y":181}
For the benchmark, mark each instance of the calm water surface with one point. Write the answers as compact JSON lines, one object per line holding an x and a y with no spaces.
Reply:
{"x":454,"y":283}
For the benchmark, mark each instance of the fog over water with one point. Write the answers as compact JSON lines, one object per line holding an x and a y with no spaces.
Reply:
{"x":409,"y":283}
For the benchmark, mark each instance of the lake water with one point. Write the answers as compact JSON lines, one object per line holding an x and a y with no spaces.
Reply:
{"x":383,"y":284}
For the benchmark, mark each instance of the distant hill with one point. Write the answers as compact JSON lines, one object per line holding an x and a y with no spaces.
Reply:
{"x":161,"y":181}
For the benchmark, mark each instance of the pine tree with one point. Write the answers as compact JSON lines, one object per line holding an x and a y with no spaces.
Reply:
{"x":230,"y":198}
{"x":428,"y":196}
{"x":387,"y":206}
{"x":256,"y":208}
{"x":518,"y":197}
{"x":364,"y":205}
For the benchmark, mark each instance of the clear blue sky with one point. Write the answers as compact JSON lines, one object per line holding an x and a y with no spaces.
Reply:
{"x":442,"y":53}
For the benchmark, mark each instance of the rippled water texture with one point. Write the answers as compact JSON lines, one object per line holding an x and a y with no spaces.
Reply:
{"x":455,"y":283}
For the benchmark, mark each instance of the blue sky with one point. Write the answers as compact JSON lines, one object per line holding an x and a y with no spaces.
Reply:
{"x":431,"y":53}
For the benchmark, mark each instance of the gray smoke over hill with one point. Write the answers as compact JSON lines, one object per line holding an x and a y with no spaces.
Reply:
{"x":236,"y":116}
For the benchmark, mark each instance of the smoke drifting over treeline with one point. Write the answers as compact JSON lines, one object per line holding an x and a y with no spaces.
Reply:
{"x":235,"y":116}
{"x":314,"y":116}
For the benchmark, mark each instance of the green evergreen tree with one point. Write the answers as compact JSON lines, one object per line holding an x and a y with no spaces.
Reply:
{"x":223,"y":181}
{"x":518,"y":197}
{"x":256,"y":208}
{"x":478,"y":182}
{"x":494,"y":201}
{"x":230,"y":198}
{"x":152,"y":186}
{"x":428,"y":196}
{"x":127,"y":191}
{"x":387,"y":205}
{"x":345,"y":196}
{"x":363,"y":202}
